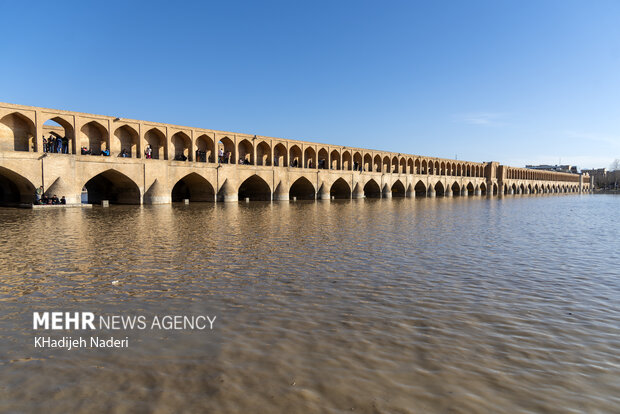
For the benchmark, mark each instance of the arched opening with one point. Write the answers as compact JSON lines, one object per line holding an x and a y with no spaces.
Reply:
{"x":357,"y":161}
{"x":303,"y":189}
{"x":377,"y":163}
{"x":483,"y":189}
{"x":94,"y":138}
{"x":456,"y":189}
{"x":470,"y":189}
{"x":420,"y":189}
{"x":340,"y":189}
{"x":193,"y":187}
{"x":386,"y":164}
{"x":181,"y":145}
{"x":334,"y":158}
{"x":346,"y":161}
{"x":226,"y":151}
{"x":372,"y":189}
{"x":439,"y":189}
{"x":424,"y":167}
{"x":495,"y":189}
{"x":113,"y":186}
{"x":410,"y":165}
{"x":398,"y":189}
{"x":156,"y":144}
{"x":14,"y":188}
{"x":58,"y":128}
{"x":126,"y":142}
{"x":310,"y":157}
{"x":263,"y":154}
{"x":205,"y":151}
{"x":255,"y":188}
{"x":323,"y":164}
{"x":436,"y":169}
{"x":295,"y":156}
{"x":394,"y":164}
{"x":417,"y":166}
{"x":279,"y":156}
{"x":17,"y":133}
{"x":367,"y":162}
{"x":246,"y":152}
{"x":442,"y":168}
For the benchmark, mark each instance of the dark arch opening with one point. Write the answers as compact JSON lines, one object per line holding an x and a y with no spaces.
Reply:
{"x":113,"y":186}
{"x":456,"y":189}
{"x":495,"y":190}
{"x":372,"y":190}
{"x":255,"y":188}
{"x":470,"y":189}
{"x":340,"y":189}
{"x":14,"y":188}
{"x":17,"y":133}
{"x":420,"y":189}
{"x":439,"y":189}
{"x":303,"y":189}
{"x":483,"y":189}
{"x":398,"y":189}
{"x":193,"y":187}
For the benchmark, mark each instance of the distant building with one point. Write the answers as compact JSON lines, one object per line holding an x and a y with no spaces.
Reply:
{"x":556,"y":168}
{"x":603,"y":178}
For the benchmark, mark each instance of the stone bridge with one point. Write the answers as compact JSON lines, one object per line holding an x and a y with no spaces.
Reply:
{"x":185,"y":164}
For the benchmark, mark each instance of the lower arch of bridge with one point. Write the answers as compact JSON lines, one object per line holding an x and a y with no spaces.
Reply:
{"x":456,"y":189}
{"x":420,"y":189}
{"x":372,"y":190}
{"x":439,"y":189}
{"x":495,"y":190}
{"x":193,"y":187}
{"x":113,"y":186}
{"x":14,"y":188}
{"x":470,"y":189}
{"x":483,"y":189}
{"x":398,"y":189}
{"x":340,"y":189}
{"x":254,"y":188}
{"x":303,"y":189}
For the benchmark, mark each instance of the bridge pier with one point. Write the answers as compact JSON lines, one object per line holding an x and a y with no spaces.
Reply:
{"x":464,"y":192}
{"x":448,"y":192}
{"x":387,"y":192}
{"x":431,"y":192}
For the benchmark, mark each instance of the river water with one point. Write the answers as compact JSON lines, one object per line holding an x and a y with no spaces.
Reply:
{"x":463,"y":305}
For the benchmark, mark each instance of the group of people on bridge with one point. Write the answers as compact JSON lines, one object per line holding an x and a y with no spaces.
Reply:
{"x":41,"y":198}
{"x":56,"y":144}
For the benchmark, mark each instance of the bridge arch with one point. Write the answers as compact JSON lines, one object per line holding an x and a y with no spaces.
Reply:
{"x":295,"y":156}
{"x":254,"y":188}
{"x":340,"y":189}
{"x":303,"y":189}
{"x":94,"y":137}
{"x":205,"y":148}
{"x":113,"y":186}
{"x":228,"y":147}
{"x":263,"y":154}
{"x":367,"y":162}
{"x":372,"y":189}
{"x":394,"y":165}
{"x":310,"y":158}
{"x":280,"y":158}
{"x":15,"y":188}
{"x":440,"y":189}
{"x":347,"y":165}
{"x":357,"y":161}
{"x":181,"y":143}
{"x":323,"y":159}
{"x":470,"y":189}
{"x":126,"y":138}
{"x":420,"y":189}
{"x":334,"y":160}
{"x":17,"y":133}
{"x":410,"y":165}
{"x":62,"y":122}
{"x":386,"y":164}
{"x":246,"y":152}
{"x":483,"y":189}
{"x":193,"y":187}
{"x":377,"y":163}
{"x":157,"y":140}
{"x":456,"y":189}
{"x":398,"y":189}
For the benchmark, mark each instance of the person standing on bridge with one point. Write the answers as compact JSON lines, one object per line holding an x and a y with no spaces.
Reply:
{"x":148,"y":151}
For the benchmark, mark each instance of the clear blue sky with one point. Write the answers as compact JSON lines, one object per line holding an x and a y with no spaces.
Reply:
{"x":512,"y":81}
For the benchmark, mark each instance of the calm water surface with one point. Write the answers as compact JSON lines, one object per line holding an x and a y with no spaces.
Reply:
{"x":376,"y":306}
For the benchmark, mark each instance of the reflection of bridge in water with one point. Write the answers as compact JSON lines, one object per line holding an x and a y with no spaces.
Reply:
{"x":261,"y":168}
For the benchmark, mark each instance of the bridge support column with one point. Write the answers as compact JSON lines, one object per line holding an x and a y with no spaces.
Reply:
{"x":448,"y":192}
{"x":526,"y":191}
{"x":431,"y":192}
{"x":478,"y":192}
{"x":510,"y":191}
{"x":387,"y":192}
{"x":464,"y":192}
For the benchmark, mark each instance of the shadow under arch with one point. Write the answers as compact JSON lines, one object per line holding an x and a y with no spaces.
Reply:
{"x":398,"y":189}
{"x":113,"y":186}
{"x":372,"y":190}
{"x":303,"y":189}
{"x":340,"y":189}
{"x":420,"y":189}
{"x":254,"y":188}
{"x":193,"y":187}
{"x":15,"y":188}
